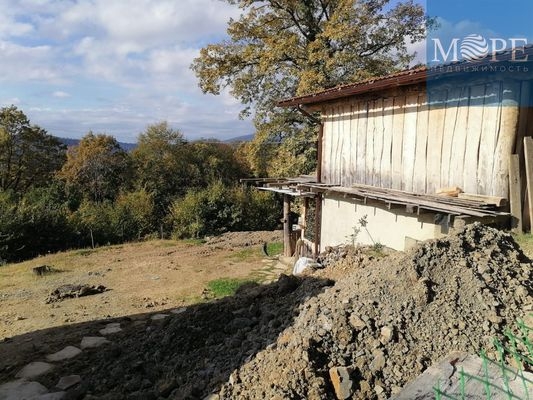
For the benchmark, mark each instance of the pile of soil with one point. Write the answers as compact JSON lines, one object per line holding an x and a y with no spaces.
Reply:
{"x":391,"y":319}
{"x":231,"y":240}
{"x":386,"y":321}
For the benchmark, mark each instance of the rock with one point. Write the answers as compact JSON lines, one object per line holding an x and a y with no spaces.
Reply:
{"x":66,"y":382}
{"x":387,"y":334}
{"x":21,"y":389}
{"x":357,"y":323}
{"x":178,"y":311}
{"x":110,"y":329}
{"x":159,"y":317}
{"x":73,"y":291}
{"x":90,"y":342}
{"x":65,"y":354}
{"x":378,"y":363}
{"x":34,"y":369}
{"x":42,"y":270}
{"x":342,"y":383}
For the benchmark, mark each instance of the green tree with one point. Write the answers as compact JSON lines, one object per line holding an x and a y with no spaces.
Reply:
{"x":98,"y":168}
{"x":134,"y":215}
{"x":162,"y":165}
{"x":282,"y":48}
{"x":29,"y":156}
{"x":216,"y":161}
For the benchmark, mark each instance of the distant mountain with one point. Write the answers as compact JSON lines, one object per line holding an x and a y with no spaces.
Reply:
{"x":244,"y":138}
{"x":74,"y":142}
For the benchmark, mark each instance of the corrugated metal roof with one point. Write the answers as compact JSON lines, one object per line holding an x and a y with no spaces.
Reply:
{"x":397,"y":79}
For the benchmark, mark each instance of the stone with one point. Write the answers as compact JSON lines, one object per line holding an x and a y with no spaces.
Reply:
{"x":356,"y":323}
{"x":34,"y":369}
{"x":66,"y":382}
{"x":109,"y":330}
{"x":21,"y":389}
{"x":74,"y":291}
{"x":159,"y":317}
{"x":66,"y":354}
{"x":90,"y":342}
{"x":378,"y":363}
{"x":342,"y":383}
{"x":178,"y":311}
{"x":387,"y":334}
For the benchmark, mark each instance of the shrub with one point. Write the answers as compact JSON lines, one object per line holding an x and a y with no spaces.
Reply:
{"x":36,"y":224}
{"x":218,"y":209}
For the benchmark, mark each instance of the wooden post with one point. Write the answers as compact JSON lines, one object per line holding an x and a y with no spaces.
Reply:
{"x":318,"y":215}
{"x":286,"y":226}
{"x":515,"y":195}
{"x":319,"y":152}
{"x":528,"y":153}
{"x":305,"y":210}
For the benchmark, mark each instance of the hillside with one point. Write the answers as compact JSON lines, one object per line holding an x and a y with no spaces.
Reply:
{"x":74,"y":142}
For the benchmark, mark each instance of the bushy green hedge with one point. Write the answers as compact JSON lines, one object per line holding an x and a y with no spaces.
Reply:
{"x":42,"y":222}
{"x":35,"y":225}
{"x":218,"y":209}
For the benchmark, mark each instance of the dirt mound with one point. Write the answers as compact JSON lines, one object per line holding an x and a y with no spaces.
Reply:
{"x":231,"y":240}
{"x":392,"y":318}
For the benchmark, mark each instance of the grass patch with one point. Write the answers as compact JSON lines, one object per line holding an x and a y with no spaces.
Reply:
{"x":250,"y":253}
{"x":525,"y":240}
{"x":274,"y":249}
{"x":246,"y":254}
{"x":226,"y":286}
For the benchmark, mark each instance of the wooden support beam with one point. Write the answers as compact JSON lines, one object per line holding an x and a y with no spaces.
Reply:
{"x":318,"y":216}
{"x":286,"y":226}
{"x":515,"y":193}
{"x":528,"y":148}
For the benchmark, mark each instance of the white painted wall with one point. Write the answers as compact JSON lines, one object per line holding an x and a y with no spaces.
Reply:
{"x":388,"y":227}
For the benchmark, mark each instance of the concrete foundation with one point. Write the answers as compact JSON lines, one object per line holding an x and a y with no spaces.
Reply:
{"x":393,"y":228}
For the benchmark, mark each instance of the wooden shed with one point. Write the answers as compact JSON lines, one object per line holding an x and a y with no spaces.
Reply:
{"x":389,"y":145}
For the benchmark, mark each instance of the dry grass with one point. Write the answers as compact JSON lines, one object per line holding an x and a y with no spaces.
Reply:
{"x":142,"y":277}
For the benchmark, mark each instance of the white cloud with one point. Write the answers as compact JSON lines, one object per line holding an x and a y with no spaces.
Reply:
{"x":60,"y":94}
{"x":127,"y":61}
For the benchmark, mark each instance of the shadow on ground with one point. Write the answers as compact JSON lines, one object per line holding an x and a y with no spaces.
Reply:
{"x":183,"y":356}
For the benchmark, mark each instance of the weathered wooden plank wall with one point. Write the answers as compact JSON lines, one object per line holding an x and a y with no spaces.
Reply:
{"x":463,"y":136}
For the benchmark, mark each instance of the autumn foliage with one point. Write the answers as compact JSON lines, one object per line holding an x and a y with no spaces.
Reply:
{"x":96,"y":193}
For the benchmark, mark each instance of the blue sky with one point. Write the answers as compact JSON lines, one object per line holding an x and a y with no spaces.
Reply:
{"x":501,"y":19}
{"x":114,"y":66}
{"x":504,"y":17}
